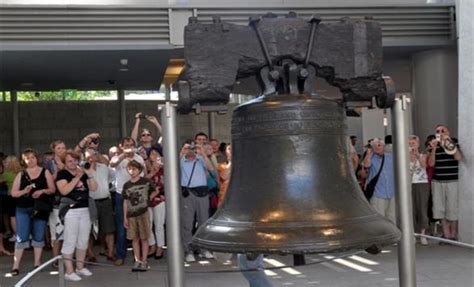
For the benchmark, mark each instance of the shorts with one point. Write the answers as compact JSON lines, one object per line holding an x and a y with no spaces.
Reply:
{"x":77,"y":228}
{"x":445,"y":199}
{"x":139,"y":227}
{"x":105,"y":214}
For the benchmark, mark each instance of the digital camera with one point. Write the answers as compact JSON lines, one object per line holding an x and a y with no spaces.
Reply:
{"x":85,"y":165}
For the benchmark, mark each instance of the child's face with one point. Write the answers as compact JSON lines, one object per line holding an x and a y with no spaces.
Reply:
{"x":133,"y":171}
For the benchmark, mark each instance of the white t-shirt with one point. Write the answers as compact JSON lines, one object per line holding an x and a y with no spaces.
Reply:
{"x":121,"y":173}
{"x":103,"y":176}
{"x":418,"y":173}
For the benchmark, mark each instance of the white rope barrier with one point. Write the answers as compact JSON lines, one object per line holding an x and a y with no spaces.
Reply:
{"x":449,"y":241}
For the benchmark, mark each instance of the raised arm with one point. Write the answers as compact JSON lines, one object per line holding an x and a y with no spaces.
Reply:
{"x":154,"y":121}
{"x":136,"y":126}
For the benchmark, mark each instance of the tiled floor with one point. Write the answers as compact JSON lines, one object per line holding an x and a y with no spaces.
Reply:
{"x":437,"y":266}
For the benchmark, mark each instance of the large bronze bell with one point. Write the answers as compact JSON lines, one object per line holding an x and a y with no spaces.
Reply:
{"x":292,"y":187}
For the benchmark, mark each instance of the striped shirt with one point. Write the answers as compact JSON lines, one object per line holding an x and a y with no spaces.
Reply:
{"x":446,"y":167}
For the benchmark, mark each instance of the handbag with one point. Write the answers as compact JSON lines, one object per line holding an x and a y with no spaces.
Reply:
{"x":42,"y":207}
{"x":370,"y":187}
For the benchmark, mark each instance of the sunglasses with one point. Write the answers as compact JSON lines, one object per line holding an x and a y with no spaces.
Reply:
{"x":146,"y":135}
{"x":440,"y":131}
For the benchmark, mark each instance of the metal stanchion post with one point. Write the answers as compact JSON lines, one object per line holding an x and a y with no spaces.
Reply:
{"x":406,"y":247}
{"x":61,"y":272}
{"x":173,"y":191}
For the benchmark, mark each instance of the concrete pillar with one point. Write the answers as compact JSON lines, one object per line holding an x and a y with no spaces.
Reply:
{"x":466,"y":119}
{"x":435,"y":88}
{"x":123,"y":113}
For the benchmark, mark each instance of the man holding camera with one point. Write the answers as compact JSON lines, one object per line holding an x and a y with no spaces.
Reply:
{"x":103,"y":175}
{"x":444,"y":157}
{"x":379,"y":166}
{"x":120,"y":163}
{"x":195,"y":195}
{"x":91,"y":141}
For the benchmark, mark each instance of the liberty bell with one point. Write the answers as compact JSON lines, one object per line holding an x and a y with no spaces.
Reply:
{"x":292,"y":186}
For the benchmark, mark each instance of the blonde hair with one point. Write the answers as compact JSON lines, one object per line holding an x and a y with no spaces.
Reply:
{"x":12,"y":164}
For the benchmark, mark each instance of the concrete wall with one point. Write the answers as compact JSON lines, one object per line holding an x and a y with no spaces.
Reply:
{"x":43,"y":122}
{"x":435,"y":77}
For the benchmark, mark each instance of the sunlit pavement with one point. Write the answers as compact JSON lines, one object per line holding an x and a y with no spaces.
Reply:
{"x":437,"y":266}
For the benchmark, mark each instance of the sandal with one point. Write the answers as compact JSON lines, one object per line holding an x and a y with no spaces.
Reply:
{"x":15,"y":272}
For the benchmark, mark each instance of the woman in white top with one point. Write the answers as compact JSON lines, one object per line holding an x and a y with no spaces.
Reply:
{"x":420,"y":187}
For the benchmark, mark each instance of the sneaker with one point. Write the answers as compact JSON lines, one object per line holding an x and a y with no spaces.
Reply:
{"x":72,"y":277}
{"x":423,"y":241}
{"x":144,"y":266}
{"x":84,"y":272}
{"x":137,"y":266}
{"x":206,"y":254}
{"x":189,"y":258}
{"x":12,"y":238}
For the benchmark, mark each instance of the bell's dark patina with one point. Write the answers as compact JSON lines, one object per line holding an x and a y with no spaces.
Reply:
{"x":292,"y":187}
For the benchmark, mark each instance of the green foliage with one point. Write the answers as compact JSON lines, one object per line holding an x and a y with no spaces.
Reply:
{"x":64,"y":95}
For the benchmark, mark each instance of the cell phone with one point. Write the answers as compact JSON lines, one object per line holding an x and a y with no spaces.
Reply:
{"x":438,"y":137}
{"x":143,"y":117}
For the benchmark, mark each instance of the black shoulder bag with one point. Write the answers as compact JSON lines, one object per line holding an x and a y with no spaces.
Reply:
{"x":42,"y":205}
{"x":370,"y":188}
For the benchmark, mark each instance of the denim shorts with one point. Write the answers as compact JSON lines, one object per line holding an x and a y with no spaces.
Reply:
{"x":26,"y":226}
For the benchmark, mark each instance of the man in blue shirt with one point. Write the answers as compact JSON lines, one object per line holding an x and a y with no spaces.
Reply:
{"x":195,"y":166}
{"x":383,"y":200}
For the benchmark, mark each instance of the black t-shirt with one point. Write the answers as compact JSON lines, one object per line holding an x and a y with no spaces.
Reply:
{"x":80,"y":193}
{"x":40,"y":182}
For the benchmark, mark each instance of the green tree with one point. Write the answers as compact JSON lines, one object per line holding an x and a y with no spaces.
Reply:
{"x":63,"y":95}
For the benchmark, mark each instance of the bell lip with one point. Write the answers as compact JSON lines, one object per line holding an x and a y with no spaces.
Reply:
{"x":303,"y":248}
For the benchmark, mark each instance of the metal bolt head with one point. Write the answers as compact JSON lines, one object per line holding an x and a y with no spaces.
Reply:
{"x":274,"y":75}
{"x":304,"y":73}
